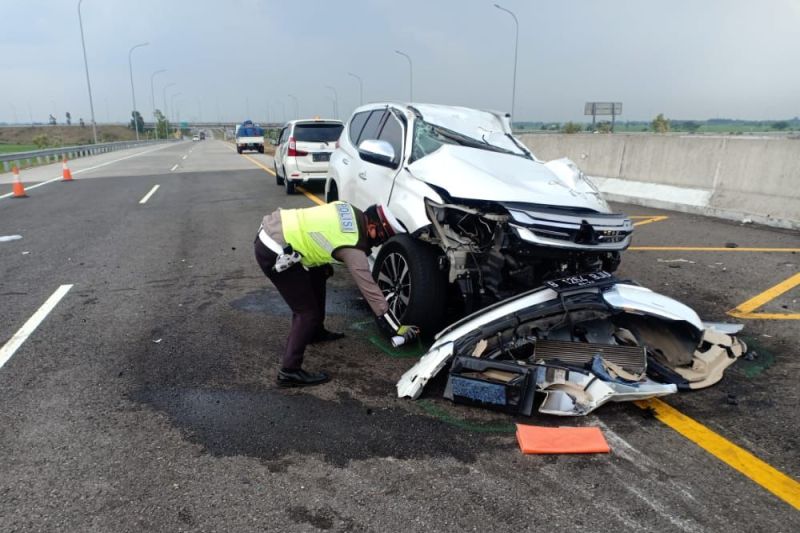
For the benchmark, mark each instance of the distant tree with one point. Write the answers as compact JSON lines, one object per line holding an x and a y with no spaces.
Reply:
{"x":691,"y":126}
{"x":41,"y":141}
{"x":136,"y":116}
{"x":604,"y":126}
{"x":80,"y":121}
{"x":161,"y":124}
{"x":571,"y":127}
{"x":660,"y":124}
{"x":52,"y":120}
{"x":69,"y":119}
{"x":780,"y":126}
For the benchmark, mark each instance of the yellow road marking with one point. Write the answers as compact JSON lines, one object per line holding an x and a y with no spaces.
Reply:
{"x":258,"y":164}
{"x":708,"y":249}
{"x":649,"y":220}
{"x":307,"y":194}
{"x":768,"y":477}
{"x":745,"y":310}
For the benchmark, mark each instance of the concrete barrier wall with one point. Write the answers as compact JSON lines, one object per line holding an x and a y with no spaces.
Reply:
{"x":743,"y":177}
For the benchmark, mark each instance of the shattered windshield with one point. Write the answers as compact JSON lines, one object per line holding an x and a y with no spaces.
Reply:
{"x":430,"y":137}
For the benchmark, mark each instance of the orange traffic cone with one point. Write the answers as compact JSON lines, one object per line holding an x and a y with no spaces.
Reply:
{"x":18,"y":187}
{"x":65,"y":171}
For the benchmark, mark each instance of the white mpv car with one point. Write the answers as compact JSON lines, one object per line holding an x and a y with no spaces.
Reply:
{"x":486,"y":218}
{"x":303,"y":151}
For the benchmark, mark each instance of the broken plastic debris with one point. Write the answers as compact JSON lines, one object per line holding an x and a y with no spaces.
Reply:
{"x":9,"y":238}
{"x":26,"y":252}
{"x":537,"y":439}
{"x":156,"y":341}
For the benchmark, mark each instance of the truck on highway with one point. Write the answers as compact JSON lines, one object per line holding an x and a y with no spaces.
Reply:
{"x":249,"y":136}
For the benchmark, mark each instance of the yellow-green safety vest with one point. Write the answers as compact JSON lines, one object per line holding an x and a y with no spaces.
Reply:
{"x":316,"y":232}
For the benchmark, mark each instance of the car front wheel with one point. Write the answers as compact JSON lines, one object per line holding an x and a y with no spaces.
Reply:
{"x":407,"y":272}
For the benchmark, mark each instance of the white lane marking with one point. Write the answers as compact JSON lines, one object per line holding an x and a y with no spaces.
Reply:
{"x":148,"y":195}
{"x":59,"y":177}
{"x":174,"y":167}
{"x":184,"y":157}
{"x":7,"y":238}
{"x":30,"y":326}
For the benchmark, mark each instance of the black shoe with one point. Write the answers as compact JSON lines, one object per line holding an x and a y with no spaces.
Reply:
{"x":326,"y":336}
{"x":301,"y":378}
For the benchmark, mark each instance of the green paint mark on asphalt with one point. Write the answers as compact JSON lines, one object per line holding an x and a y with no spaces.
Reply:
{"x":754,"y":368}
{"x":413,"y":350}
{"x":477,"y":427}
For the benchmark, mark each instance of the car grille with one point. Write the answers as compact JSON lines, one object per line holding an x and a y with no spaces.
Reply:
{"x":610,"y":231}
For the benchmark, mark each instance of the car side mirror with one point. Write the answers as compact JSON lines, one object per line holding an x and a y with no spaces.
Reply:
{"x":377,"y":152}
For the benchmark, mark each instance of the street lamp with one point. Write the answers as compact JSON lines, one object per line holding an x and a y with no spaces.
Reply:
{"x":153,"y":98}
{"x":172,"y":102}
{"x":360,"y":88}
{"x":516,"y":46}
{"x":410,"y":75}
{"x":335,"y":102}
{"x":86,"y":66}
{"x":296,"y":106}
{"x":283,"y":110}
{"x":133,"y":93}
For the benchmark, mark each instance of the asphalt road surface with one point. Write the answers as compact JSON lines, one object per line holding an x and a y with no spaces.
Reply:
{"x":145,"y":399}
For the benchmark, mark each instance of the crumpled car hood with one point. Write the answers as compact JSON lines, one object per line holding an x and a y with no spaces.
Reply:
{"x":468,"y":173}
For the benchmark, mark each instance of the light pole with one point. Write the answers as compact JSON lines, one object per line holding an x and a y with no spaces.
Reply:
{"x":175,"y":114}
{"x":410,"y":75}
{"x":283,"y":110}
{"x":86,"y":66}
{"x":133,"y":93}
{"x":516,"y":46}
{"x":153,"y":99}
{"x":166,"y":112}
{"x":296,"y":106}
{"x":335,"y":102}
{"x":360,"y":88}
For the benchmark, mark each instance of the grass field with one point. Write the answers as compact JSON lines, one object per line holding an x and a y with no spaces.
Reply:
{"x":11,"y":148}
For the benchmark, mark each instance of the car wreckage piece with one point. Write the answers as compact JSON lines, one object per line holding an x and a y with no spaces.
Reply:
{"x":609,"y":319}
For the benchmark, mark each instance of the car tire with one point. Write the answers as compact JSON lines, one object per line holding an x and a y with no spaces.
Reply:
{"x":239,"y":150}
{"x":290,"y":186}
{"x":411,"y":267}
{"x":278,"y":178}
{"x":332,"y":194}
{"x":260,"y":149}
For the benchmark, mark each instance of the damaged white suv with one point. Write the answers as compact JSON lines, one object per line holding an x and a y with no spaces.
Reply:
{"x":486,"y":218}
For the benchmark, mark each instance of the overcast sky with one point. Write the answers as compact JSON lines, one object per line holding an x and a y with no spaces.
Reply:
{"x":234,"y":59}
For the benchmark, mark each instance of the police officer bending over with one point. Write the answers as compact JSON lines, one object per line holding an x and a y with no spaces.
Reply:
{"x":295,"y":249}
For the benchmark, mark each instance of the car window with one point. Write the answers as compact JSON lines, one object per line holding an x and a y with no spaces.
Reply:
{"x":317,"y":132}
{"x":356,"y":125}
{"x":392,"y":133}
{"x":372,"y":126}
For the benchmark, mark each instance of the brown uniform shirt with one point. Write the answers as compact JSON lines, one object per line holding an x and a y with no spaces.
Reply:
{"x":353,"y":258}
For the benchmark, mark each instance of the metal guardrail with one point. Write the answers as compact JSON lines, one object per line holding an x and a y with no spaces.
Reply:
{"x":48,"y":155}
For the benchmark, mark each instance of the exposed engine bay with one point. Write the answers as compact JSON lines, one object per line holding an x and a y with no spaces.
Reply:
{"x":494,"y":250}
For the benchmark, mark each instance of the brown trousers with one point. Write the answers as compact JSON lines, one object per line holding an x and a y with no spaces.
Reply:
{"x":304,"y":291}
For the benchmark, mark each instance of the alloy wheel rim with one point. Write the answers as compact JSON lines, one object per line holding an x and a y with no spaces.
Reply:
{"x":394,"y":280}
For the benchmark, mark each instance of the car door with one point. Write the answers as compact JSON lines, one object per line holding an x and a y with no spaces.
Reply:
{"x":352,"y":183}
{"x":375,"y":181}
{"x":280,"y":150}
